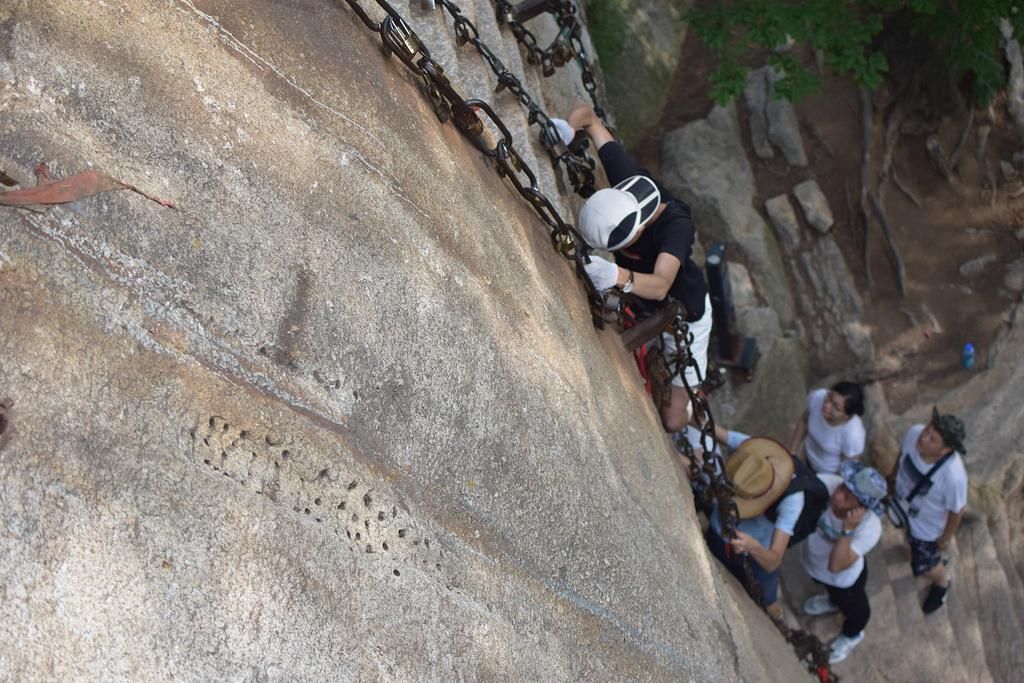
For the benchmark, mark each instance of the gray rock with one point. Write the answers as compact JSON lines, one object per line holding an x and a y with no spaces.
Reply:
{"x":704,"y":163}
{"x":259,"y":435}
{"x":977,"y":265}
{"x":839,"y":338}
{"x":1013,"y":278}
{"x":756,"y":96}
{"x":814,"y":204}
{"x":743,"y":295}
{"x":1008,"y":171}
{"x":783,"y":217}
{"x":784,"y":131}
{"x":1015,"y":84}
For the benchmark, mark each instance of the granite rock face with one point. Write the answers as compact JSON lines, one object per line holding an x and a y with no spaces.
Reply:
{"x":343,"y":414}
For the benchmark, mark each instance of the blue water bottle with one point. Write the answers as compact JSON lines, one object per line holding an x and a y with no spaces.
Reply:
{"x":967,"y":357}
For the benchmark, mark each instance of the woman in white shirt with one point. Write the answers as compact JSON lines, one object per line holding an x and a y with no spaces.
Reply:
{"x":830,"y":431}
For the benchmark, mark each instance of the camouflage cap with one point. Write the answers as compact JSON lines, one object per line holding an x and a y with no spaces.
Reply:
{"x":952,"y":430}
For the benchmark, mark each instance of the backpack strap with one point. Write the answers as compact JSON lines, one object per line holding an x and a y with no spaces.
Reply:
{"x":928,"y":476}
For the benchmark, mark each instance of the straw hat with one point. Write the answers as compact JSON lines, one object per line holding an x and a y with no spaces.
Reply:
{"x":760,"y":470}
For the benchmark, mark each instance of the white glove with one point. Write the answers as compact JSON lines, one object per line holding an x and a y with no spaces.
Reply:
{"x":602,"y":273}
{"x":565,"y":131}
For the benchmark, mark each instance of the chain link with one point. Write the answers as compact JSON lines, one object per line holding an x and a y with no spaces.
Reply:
{"x":566,"y":46}
{"x":578,"y":165}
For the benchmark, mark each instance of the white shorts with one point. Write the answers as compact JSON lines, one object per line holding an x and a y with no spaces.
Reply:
{"x":701,"y":331}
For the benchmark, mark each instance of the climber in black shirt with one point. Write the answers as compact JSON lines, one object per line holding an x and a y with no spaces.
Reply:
{"x":650,"y":234}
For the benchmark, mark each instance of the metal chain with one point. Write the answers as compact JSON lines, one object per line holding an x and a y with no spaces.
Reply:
{"x":578,"y":165}
{"x":808,"y":647}
{"x":566,"y":46}
{"x":399,"y":39}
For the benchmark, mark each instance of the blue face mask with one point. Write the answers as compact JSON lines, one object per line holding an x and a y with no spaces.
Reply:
{"x":826,"y":530}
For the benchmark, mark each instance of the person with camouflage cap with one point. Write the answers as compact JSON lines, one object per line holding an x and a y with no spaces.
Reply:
{"x":931,"y":460}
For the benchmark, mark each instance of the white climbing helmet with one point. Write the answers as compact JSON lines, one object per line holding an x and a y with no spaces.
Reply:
{"x":612,"y":217}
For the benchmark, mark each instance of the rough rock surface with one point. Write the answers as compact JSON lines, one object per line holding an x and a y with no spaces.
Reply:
{"x":784,"y":131}
{"x":756,"y":96}
{"x":783,"y":217}
{"x":831,"y":304}
{"x":815,"y":205}
{"x":655,"y":31}
{"x":704,"y":163}
{"x":343,"y":414}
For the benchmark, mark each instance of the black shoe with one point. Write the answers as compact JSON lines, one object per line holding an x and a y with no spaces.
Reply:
{"x":935,"y":599}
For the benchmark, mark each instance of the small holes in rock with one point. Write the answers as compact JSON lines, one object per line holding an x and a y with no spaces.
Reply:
{"x":359,"y":536}
{"x":316,"y":502}
{"x":397,"y":573}
{"x":352,"y":485}
{"x":384,"y":545}
{"x":355,"y":517}
{"x":207,"y":461}
{"x":277,"y":465}
{"x":380,"y":516}
{"x":349,"y":534}
{"x":426,"y":542}
{"x":401,"y":533}
{"x":394,"y":512}
{"x":244,"y":434}
{"x":369,"y":548}
{"x":341,"y":505}
{"x":438,"y":566}
{"x":213,"y":421}
{"x":285,"y":454}
{"x":367,"y":500}
{"x":366,"y":523}
{"x":306,"y":511}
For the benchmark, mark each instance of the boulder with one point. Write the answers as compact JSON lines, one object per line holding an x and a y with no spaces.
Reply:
{"x":756,"y":96}
{"x":976,"y":266}
{"x":784,"y":131}
{"x":1013,"y":277}
{"x":815,"y":205}
{"x":705,"y":164}
{"x":783,"y":217}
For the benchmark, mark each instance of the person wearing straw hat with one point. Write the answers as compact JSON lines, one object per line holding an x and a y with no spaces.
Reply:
{"x":651,"y":235}
{"x":760,"y":470}
{"x":932,"y":453}
{"x":834,"y":555}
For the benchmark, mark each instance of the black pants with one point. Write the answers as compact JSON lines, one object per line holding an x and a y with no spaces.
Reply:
{"x":852,"y":603}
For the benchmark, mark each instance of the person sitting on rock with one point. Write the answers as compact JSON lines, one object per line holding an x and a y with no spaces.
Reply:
{"x":761,"y":471}
{"x":830,"y":430}
{"x":651,"y":235}
{"x":834,"y":555}
{"x":931,"y":461}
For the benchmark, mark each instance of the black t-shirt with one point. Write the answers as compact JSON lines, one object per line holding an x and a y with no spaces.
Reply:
{"x":672,"y":233}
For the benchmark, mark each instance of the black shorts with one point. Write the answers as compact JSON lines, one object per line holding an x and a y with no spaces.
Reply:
{"x":924,"y":555}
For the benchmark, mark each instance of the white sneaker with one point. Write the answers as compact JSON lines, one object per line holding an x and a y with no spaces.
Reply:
{"x":842,"y":646}
{"x":819,"y":604}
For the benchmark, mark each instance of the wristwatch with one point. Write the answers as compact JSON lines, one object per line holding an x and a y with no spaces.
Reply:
{"x":845,"y":534}
{"x":627,"y":287}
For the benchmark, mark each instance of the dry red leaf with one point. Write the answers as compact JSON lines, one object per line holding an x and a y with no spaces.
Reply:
{"x":78,"y":186}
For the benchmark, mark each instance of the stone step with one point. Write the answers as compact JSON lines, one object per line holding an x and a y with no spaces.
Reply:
{"x":1000,"y":625}
{"x":963,"y":604}
{"x":936,"y":655}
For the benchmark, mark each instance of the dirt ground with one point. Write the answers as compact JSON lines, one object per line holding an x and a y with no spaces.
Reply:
{"x":942,"y":309}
